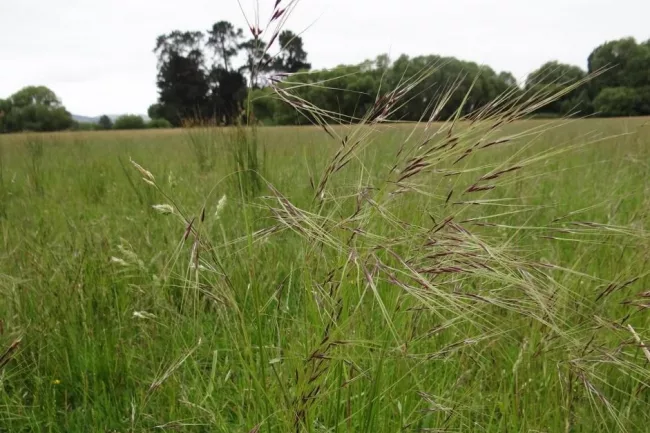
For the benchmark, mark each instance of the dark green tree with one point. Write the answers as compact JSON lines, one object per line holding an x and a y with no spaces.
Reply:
{"x":183,"y":85}
{"x":224,"y":39}
{"x":192,"y":89}
{"x":617,"y":101}
{"x":258,"y":61}
{"x":105,"y":122}
{"x":34,"y":108}
{"x":642,"y":105}
{"x":155,"y":111}
{"x":159,"y":124}
{"x":553,"y":77}
{"x":352,"y":91}
{"x":227,"y":94}
{"x":178,"y":43}
{"x":35,"y":95}
{"x":554,"y":72}
{"x":5,"y":107}
{"x":508,"y":78}
{"x":292,"y":57}
{"x":627,"y":64}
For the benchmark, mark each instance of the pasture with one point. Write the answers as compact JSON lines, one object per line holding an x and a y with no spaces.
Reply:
{"x":495,"y":290}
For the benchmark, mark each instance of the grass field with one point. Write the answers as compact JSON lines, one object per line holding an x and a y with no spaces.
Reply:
{"x":361,"y":307}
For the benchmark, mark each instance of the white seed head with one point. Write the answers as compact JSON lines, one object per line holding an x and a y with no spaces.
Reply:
{"x":164,"y":208}
{"x":199,"y":268}
{"x":220,"y":205}
{"x":130,"y":256}
{"x":143,"y":315}
{"x":118,"y":261}
{"x":144,"y":172}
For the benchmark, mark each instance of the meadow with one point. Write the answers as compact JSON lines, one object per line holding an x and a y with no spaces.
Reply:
{"x":150,"y":281}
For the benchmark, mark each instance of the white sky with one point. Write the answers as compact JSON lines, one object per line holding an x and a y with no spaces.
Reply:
{"x":97,"y":55}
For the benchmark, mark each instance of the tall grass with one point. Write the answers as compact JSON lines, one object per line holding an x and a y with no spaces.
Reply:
{"x":238,"y":145}
{"x":35,"y":148}
{"x":247,"y":159}
{"x":311,"y":317}
{"x":399,"y":271}
{"x":479,"y":274}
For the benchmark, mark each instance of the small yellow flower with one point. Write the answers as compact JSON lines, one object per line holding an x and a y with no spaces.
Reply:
{"x":56,"y":382}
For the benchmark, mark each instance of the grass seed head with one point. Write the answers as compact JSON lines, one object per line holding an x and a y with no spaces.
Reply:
{"x":146,"y":174}
{"x":164,"y":209}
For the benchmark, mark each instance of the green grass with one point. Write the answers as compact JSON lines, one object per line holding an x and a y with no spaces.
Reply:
{"x":330,"y":322}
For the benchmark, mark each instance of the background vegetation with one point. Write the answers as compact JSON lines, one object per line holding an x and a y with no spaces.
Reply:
{"x":209,"y":76}
{"x":170,"y":298}
{"x":485,"y":273}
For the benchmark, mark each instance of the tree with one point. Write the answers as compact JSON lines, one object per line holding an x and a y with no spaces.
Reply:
{"x":555,"y":73}
{"x":227,"y":95}
{"x":183,"y":88}
{"x":554,"y":77}
{"x":34,"y":108}
{"x":35,"y":95}
{"x":129,"y":121}
{"x":159,"y":124}
{"x":193,"y":85}
{"x":177,"y":43}
{"x":508,"y":78}
{"x":258,"y":60}
{"x":182,"y":82}
{"x":292,"y":57}
{"x":191,"y":88}
{"x":623,"y":88}
{"x":40,"y":118}
{"x":225,"y":39}
{"x":643,"y":101}
{"x":105,"y":122}
{"x":155,"y":111}
{"x":5,"y":107}
{"x":352,"y":91}
{"x":617,"y":101}
{"x":382,"y":62}
{"x":628,"y":65}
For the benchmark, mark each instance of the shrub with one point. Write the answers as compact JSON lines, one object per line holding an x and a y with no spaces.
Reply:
{"x":129,"y":121}
{"x":84,"y":126}
{"x":159,"y":124}
{"x":617,"y":101}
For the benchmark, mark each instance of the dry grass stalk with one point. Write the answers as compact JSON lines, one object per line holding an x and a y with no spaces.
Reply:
{"x":7,"y":355}
{"x":643,"y":347}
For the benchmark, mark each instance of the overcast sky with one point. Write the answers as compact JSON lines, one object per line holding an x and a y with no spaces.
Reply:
{"x":97,"y":55}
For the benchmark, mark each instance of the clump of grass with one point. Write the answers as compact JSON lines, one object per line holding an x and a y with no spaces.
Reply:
{"x":35,"y":150}
{"x":4,"y":189}
{"x":237,"y":145}
{"x":247,"y":160}
{"x":93,"y":182}
{"x":203,"y":140}
{"x":445,"y":267}
{"x":398,"y":278}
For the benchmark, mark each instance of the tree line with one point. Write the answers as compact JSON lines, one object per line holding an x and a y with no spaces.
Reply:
{"x":38,"y":109}
{"x":129,"y":121}
{"x":207,"y":75}
{"x":190,"y":87}
{"x":619,"y":85}
{"x":211,"y":75}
